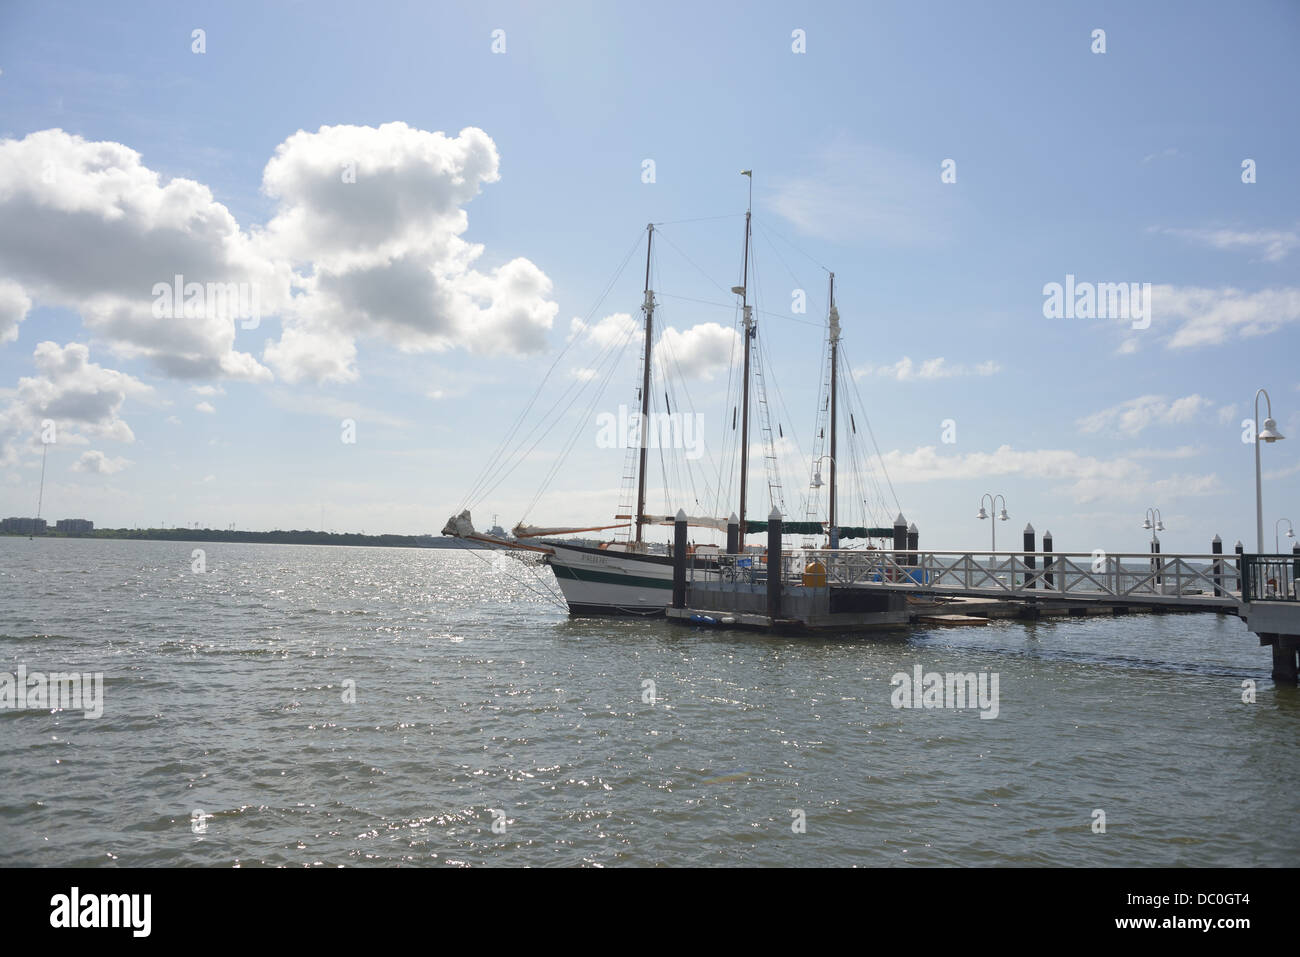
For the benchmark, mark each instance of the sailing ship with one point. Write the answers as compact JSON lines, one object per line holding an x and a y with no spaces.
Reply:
{"x":634,"y":576}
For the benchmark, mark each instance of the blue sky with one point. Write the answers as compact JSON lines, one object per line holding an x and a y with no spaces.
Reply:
{"x":1122,"y":166}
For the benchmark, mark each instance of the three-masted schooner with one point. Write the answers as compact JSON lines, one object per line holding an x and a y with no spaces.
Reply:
{"x":633,"y":577}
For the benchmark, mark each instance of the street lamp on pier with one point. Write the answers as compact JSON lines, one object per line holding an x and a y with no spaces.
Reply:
{"x":1290,"y":533}
{"x":1269,"y":434}
{"x":1155,"y":522}
{"x":993,"y":507}
{"x":832,"y":520}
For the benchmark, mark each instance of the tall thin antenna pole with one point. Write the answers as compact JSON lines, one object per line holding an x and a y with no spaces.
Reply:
{"x":835,"y":343}
{"x":40,"y":496}
{"x":649,"y":308}
{"x":749,"y":336}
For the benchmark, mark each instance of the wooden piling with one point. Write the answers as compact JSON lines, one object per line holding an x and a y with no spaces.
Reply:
{"x":1030,"y":561}
{"x":1047,"y":562}
{"x":679,"y":559}
{"x":900,"y":539}
{"x":774,"y":564}
{"x":1285,"y":669}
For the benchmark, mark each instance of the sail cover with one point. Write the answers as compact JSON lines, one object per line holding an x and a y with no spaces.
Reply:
{"x":535,"y":531}
{"x":698,"y":521}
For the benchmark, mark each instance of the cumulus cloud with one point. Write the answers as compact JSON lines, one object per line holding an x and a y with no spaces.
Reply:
{"x":205,"y":407}
{"x":610,"y":331}
{"x":372,"y":221}
{"x":82,"y":398}
{"x":701,"y":351}
{"x":99,"y":464}
{"x":905,"y":369}
{"x":365,"y":242}
{"x":697,"y":352}
{"x":86,"y":225}
{"x":14,"y":306}
{"x":1132,"y":417}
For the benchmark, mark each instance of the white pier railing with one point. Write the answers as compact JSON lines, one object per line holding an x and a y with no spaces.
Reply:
{"x":1139,"y":577}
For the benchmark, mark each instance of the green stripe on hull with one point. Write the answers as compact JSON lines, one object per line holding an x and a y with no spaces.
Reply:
{"x":610,"y":578}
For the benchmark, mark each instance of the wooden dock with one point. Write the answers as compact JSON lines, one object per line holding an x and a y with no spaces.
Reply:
{"x":843,"y":590}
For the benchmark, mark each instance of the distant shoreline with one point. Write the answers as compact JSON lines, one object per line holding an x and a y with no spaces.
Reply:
{"x":291,"y":537}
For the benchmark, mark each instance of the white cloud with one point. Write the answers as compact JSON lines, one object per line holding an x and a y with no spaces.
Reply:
{"x":1135,"y":415}
{"x":205,"y":407}
{"x":613,"y":330}
{"x":88,"y":226}
{"x":905,"y":369}
{"x":99,"y":464}
{"x":83,"y":400}
{"x":1182,"y":452}
{"x":385,"y":251}
{"x":1212,"y":316}
{"x":305,"y":355}
{"x":701,"y":351}
{"x":14,"y":306}
{"x":1282,"y":472}
{"x":1087,"y":478}
{"x":1274,"y":244}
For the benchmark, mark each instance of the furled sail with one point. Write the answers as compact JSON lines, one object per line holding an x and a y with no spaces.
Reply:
{"x":696,"y":521}
{"x":535,"y":531}
{"x":459,"y":526}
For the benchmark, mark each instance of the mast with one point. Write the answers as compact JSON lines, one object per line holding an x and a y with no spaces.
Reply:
{"x":743,"y":289}
{"x":648,"y":307}
{"x":835,"y":343}
{"x":40,"y":497}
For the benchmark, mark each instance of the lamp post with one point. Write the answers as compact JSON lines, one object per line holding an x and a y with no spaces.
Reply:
{"x":1290,"y":533}
{"x":993,"y":506}
{"x":817,"y":472}
{"x":1270,"y":434}
{"x":1154,"y":521}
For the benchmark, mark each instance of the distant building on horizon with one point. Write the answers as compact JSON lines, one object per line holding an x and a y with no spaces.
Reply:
{"x":74,"y":526}
{"x":23,"y":526}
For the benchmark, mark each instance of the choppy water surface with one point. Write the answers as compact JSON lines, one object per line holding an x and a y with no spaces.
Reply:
{"x":476,"y":701}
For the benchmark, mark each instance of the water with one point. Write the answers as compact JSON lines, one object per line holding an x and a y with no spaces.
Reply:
{"x":476,"y":699}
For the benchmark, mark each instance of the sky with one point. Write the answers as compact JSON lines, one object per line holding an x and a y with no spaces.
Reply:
{"x":429,"y":215}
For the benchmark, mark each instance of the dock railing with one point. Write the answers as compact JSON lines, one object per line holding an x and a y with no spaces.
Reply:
{"x":1123,"y":576}
{"x":1092,"y":575}
{"x":1270,"y":578}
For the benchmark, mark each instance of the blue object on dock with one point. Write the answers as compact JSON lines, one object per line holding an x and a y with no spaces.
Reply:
{"x":704,"y":619}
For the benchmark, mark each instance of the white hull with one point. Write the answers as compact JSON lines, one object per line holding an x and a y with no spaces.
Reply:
{"x":598,"y":581}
